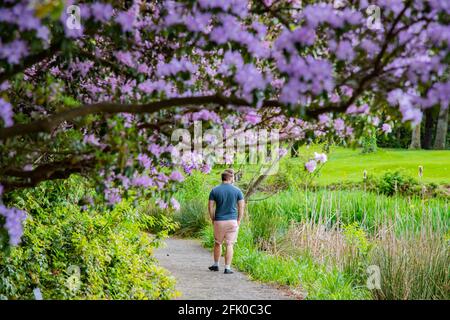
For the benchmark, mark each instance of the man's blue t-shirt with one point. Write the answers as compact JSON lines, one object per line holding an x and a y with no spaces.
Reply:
{"x":226,"y":197}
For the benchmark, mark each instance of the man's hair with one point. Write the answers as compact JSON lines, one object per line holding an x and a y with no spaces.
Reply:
{"x":227,"y":175}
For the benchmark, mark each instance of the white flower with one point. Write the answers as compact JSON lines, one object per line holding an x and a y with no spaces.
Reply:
{"x":320,"y":157}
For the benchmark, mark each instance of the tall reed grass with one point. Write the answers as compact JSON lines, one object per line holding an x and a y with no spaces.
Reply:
{"x":407,"y":238}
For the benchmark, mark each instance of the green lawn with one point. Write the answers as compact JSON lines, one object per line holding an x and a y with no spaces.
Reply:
{"x":348,"y":165}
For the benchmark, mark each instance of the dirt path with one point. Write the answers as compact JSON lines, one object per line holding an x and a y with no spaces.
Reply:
{"x":188,"y":262}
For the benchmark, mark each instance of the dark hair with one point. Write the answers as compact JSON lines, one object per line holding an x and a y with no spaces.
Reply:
{"x":227,"y":175}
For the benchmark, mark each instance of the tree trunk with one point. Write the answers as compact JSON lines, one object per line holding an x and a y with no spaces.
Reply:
{"x":427,"y":142}
{"x":441,"y":129}
{"x":415,"y":138}
{"x":294,"y":149}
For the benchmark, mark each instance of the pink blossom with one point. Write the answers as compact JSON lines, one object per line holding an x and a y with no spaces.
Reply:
{"x":14,"y":219}
{"x":126,"y":20}
{"x":311,"y":166}
{"x":142,"y":181}
{"x":252,"y":117}
{"x":320,"y":157}
{"x":162,"y":204}
{"x":176,"y":176}
{"x":386,"y":128}
{"x":112,"y":196}
{"x":6,"y":113}
{"x":101,"y":11}
{"x":339,"y":125}
{"x":206,"y":168}
{"x":155,"y":149}
{"x":125,"y":57}
{"x":144,"y":160}
{"x":175,"y":204}
{"x":92,"y":140}
{"x":324,"y":118}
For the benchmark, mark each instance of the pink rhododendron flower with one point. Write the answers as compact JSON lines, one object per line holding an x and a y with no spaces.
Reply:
{"x":311,"y":166}
{"x":386,"y":128}
{"x":320,"y":157}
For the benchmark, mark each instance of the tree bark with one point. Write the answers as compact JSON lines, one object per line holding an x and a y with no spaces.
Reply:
{"x":441,"y":129}
{"x":427,"y":142}
{"x":415,"y":138}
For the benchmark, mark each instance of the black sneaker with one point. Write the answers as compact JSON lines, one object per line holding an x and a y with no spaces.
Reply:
{"x":214,"y":268}
{"x":228,"y":271}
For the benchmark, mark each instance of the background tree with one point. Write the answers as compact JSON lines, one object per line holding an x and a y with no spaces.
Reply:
{"x":415,"y":137}
{"x":441,"y":129}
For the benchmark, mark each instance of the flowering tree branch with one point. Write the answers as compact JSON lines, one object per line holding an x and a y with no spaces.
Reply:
{"x":51,"y":122}
{"x":49,"y":171}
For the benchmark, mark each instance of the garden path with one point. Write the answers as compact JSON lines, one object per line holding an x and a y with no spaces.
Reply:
{"x":188,"y":262}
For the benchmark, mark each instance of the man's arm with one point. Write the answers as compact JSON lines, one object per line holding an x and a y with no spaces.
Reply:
{"x":211,"y":209}
{"x":241,"y":207}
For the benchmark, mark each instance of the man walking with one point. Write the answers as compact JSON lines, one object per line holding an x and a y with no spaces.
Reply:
{"x":226,"y":217}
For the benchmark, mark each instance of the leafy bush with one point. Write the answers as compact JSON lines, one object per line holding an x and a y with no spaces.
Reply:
{"x":68,"y":253}
{"x":358,"y":247}
{"x":193,"y":186}
{"x":393,"y":182}
{"x":158,"y":222}
{"x":289,"y":176}
{"x":369,"y":143}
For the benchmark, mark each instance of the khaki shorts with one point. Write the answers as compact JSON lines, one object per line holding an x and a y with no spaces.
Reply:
{"x":225,"y":230}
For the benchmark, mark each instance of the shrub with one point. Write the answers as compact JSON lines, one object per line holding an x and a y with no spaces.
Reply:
{"x":153,"y":219}
{"x":369,"y":143}
{"x":357,"y":250}
{"x":101,"y":251}
{"x":291,"y":175}
{"x":393,"y":182}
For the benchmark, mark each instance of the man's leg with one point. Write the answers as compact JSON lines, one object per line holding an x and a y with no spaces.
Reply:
{"x":230,"y":239}
{"x":217,"y":252}
{"x":228,"y":255}
{"x":218,"y":238}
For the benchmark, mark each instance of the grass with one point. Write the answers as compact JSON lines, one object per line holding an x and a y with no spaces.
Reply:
{"x":348,"y":164}
{"x":346,"y":207}
{"x":407,"y":238}
{"x":307,"y":279}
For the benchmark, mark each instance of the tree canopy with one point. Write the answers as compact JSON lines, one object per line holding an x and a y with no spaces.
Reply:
{"x":97,"y":88}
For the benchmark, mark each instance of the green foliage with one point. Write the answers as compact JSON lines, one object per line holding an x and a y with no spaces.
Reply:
{"x":267,"y":225}
{"x":155,"y":220}
{"x":193,"y":187}
{"x":405,"y":237}
{"x":291,"y":175}
{"x":397,"y":181}
{"x":107,"y":246}
{"x":192,"y":218}
{"x":193,"y":215}
{"x":358,"y":246}
{"x":355,"y":235}
{"x":400,"y":137}
{"x":309,"y":279}
{"x":369,"y":143}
